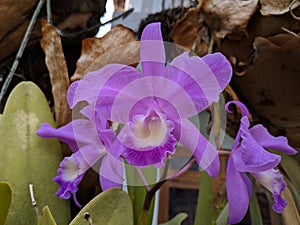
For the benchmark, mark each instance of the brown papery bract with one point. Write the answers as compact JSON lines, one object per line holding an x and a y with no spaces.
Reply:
{"x":276,"y":7}
{"x":117,"y":46}
{"x":58,"y":72}
{"x":186,"y":29}
{"x":228,"y":16}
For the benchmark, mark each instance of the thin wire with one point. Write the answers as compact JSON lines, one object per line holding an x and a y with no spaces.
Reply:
{"x":291,"y":10}
{"x":290,"y":32}
{"x":67,"y":34}
{"x":21,"y":49}
{"x":62,"y":33}
{"x":49,"y":15}
{"x":163,"y":5}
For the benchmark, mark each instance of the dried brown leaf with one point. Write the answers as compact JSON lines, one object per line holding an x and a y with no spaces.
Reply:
{"x":186,"y":29}
{"x":276,"y":7}
{"x":75,"y":20}
{"x":228,"y":16}
{"x":14,"y":20}
{"x":56,"y":64}
{"x":127,"y":54}
{"x":93,"y":51}
{"x":290,"y":214}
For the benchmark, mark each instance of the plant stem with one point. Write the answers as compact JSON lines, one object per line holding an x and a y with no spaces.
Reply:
{"x":150,"y":193}
{"x":21,"y":49}
{"x":204,"y":209}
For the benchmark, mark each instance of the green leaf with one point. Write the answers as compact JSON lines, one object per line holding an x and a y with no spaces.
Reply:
{"x":205,"y":201}
{"x":177,"y":220}
{"x":112,"y":207}
{"x":28,"y":159}
{"x":223,"y":216}
{"x":294,"y":192}
{"x":292,"y":168}
{"x":137,"y":192}
{"x":46,"y":217}
{"x":255,"y":215}
{"x":5,"y":200}
{"x":137,"y":195}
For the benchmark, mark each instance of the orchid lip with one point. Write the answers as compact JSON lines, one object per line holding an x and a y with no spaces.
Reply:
{"x":149,"y":130}
{"x":71,"y":170}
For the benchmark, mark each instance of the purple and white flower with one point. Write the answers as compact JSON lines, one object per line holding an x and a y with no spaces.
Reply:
{"x":249,"y":155}
{"x":155,"y":105}
{"x":88,"y":146}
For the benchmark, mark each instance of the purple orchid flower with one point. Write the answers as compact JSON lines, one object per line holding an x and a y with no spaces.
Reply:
{"x":248,"y":154}
{"x":89,"y":144}
{"x":154,"y":105}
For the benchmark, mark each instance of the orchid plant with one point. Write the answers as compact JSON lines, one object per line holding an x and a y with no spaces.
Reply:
{"x":151,"y":105}
{"x":154,"y":106}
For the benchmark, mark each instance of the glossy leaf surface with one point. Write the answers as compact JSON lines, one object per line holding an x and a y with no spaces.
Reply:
{"x":46,"y":217}
{"x":112,"y":207}
{"x":28,"y":159}
{"x":5,"y":200}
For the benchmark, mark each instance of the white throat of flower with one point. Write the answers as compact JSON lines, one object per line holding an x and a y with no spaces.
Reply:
{"x":149,"y":130}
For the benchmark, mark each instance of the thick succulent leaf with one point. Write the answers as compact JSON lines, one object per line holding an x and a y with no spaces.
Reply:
{"x":28,"y":159}
{"x":177,"y":220}
{"x":112,"y":207}
{"x":5,"y":200}
{"x":46,"y":217}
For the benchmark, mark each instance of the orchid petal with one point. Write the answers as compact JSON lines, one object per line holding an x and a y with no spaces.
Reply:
{"x":220,"y":67}
{"x":249,"y":156}
{"x":64,"y":134}
{"x":237,"y":193}
{"x":68,"y":177}
{"x":154,"y":156}
{"x":243,"y":108}
{"x":198,"y":80}
{"x":71,"y":93}
{"x":111,"y":173}
{"x":152,"y":50}
{"x":266,"y":140}
{"x":273,"y":180}
{"x":89,"y":87}
{"x":204,"y":152}
{"x":72,"y":134}
{"x":73,"y":168}
{"x":157,"y":88}
{"x":105,"y":134}
{"x":147,"y":139}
